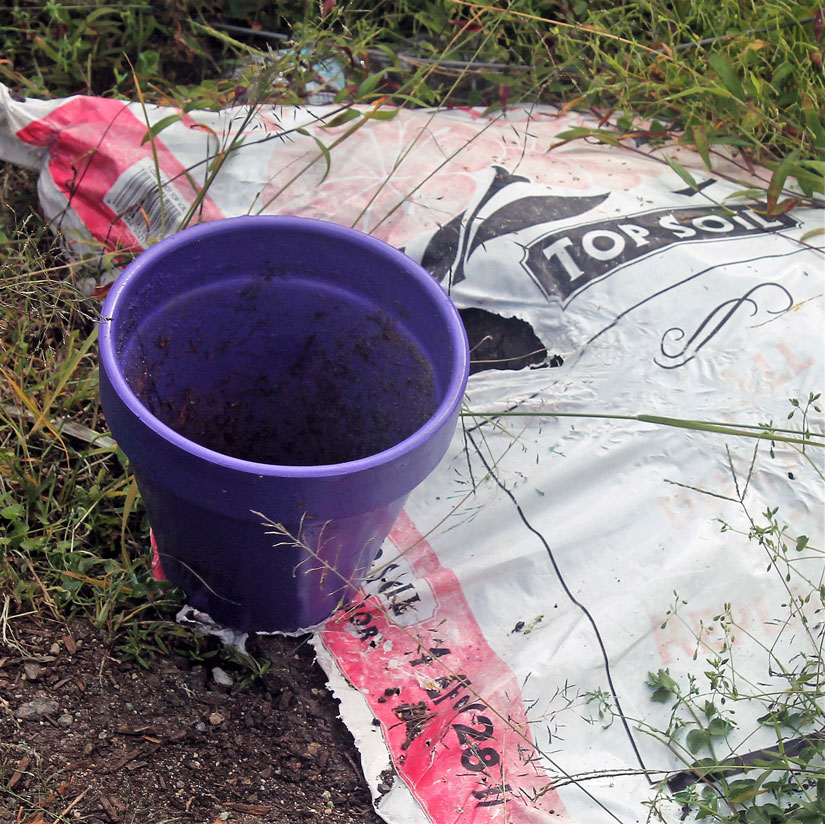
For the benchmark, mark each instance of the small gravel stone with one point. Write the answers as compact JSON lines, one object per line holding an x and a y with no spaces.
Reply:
{"x":201,"y":727}
{"x":54,"y":649}
{"x":216,"y":719}
{"x":221,"y":678}
{"x":33,"y":671}
{"x":65,"y":720}
{"x":36,"y":709}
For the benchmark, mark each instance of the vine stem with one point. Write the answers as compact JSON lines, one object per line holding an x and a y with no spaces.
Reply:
{"x":762,"y":433}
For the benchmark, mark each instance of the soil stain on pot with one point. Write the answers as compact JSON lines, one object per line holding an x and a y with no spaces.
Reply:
{"x":288,"y":371}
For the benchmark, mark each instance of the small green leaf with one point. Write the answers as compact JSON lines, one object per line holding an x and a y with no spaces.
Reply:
{"x":503,"y":79}
{"x":604,"y":136}
{"x":682,"y":172}
{"x":343,"y":94}
{"x":70,"y":584}
{"x":697,"y":739}
{"x":42,"y":43}
{"x":719,"y":726}
{"x":700,"y":139}
{"x":83,"y":565}
{"x":369,"y":85}
{"x":750,"y":194}
{"x":383,"y":114}
{"x":324,"y":151}
{"x":814,"y":123}
{"x":158,"y":127}
{"x":813,"y":233}
{"x":664,"y":686}
{"x":625,"y":122}
{"x":94,"y":15}
{"x":148,"y":63}
{"x":756,"y":815}
{"x":574,"y":133}
{"x":801,"y":543}
{"x":577,"y":132}
{"x":12,"y":511}
{"x":344,"y":117}
{"x":742,"y":790}
{"x":782,"y":72}
{"x":810,"y":174}
{"x":727,"y":74}
{"x":731,"y":141}
{"x":776,"y":813}
{"x":778,"y":178}
{"x":197,"y":103}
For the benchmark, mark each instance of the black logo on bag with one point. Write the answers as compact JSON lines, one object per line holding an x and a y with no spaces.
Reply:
{"x":564,"y":261}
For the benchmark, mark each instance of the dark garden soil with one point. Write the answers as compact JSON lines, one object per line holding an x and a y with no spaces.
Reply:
{"x":100,"y":740}
{"x":497,"y":342}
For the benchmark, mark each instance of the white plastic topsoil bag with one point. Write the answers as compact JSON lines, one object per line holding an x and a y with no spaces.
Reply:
{"x":496,"y":668}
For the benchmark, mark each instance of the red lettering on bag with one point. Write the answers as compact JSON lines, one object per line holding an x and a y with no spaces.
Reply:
{"x":92,"y":141}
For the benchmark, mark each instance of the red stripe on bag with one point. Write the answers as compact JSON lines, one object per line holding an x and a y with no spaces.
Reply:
{"x":92,"y":141}
{"x":449,"y":707}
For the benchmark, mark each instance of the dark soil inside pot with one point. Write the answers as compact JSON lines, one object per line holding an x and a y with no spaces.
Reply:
{"x":332,"y":380}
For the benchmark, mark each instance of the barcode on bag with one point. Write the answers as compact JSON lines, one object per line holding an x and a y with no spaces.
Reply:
{"x":135,"y":199}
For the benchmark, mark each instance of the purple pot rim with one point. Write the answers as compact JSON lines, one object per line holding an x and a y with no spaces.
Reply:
{"x":445,"y":410}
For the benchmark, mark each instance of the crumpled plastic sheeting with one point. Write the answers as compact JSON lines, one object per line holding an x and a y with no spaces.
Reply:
{"x":537,"y":569}
{"x":395,"y":178}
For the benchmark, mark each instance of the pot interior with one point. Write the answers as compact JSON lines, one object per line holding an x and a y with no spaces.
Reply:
{"x":279,"y":370}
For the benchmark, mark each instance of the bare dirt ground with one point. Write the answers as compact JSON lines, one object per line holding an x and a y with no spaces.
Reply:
{"x":84,"y":736}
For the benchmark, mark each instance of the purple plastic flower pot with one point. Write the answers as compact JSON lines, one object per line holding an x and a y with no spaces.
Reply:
{"x":281,"y":366}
